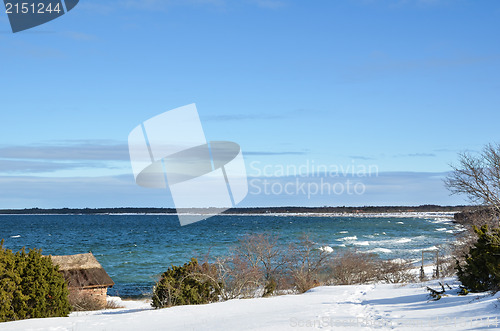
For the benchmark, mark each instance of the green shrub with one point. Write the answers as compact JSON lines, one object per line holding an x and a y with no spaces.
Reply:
{"x":186,"y":285}
{"x":481,"y":270}
{"x":30,"y":286}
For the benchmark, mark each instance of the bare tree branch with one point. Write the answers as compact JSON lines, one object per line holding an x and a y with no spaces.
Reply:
{"x":478,"y":176}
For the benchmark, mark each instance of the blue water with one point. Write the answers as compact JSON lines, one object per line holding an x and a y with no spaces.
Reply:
{"x":135,"y":249}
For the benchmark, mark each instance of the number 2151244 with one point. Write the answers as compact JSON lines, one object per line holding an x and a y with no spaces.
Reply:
{"x":32,"y":8}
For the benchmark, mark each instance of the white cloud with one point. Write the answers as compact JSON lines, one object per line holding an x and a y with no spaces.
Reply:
{"x":68,"y":151}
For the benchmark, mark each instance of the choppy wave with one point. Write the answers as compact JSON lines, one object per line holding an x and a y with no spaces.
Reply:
{"x":431,"y":248}
{"x":379,"y":250}
{"x":349,"y":238}
{"x":149,"y":243}
{"x":442,"y":220}
{"x":326,"y":249}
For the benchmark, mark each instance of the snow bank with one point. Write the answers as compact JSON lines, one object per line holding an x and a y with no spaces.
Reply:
{"x":353,"y":307}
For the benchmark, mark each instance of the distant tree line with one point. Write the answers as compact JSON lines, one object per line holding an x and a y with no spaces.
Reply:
{"x":249,"y":210}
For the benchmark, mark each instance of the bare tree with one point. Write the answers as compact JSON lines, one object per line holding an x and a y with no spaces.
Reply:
{"x":262,"y":251}
{"x":307,"y":264}
{"x":478,"y":176}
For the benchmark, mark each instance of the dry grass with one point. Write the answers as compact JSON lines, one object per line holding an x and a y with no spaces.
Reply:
{"x":307,"y":265}
{"x":82,"y":301}
{"x":396,"y":271}
{"x":113,"y":305}
{"x":351,"y":267}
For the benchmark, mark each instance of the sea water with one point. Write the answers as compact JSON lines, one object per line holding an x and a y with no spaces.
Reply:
{"x":136,"y":249}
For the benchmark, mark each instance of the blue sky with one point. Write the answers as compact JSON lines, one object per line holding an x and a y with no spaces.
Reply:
{"x":402,"y":85}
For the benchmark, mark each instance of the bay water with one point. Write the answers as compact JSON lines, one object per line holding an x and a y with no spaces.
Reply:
{"x":136,"y":249}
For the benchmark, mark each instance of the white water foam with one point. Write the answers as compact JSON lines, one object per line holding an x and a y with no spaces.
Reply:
{"x":379,"y":250}
{"x":432,"y":248}
{"x":326,"y":249}
{"x":348,"y":238}
{"x":442,"y":220}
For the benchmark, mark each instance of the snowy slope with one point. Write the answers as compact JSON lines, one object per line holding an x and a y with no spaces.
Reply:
{"x":354,"y":307}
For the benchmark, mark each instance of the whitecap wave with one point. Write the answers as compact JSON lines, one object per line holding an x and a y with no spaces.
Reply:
{"x":326,"y":249}
{"x":432,"y":248}
{"x":349,"y":238}
{"x":362,"y":243}
{"x":18,"y":236}
{"x":442,"y":220}
{"x":379,"y":250}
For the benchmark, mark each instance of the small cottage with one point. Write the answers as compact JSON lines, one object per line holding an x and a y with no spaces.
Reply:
{"x":84,"y":276}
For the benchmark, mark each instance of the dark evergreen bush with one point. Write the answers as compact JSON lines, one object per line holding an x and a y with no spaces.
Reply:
{"x":185,"y":285}
{"x":30,"y":286}
{"x":481,"y":271}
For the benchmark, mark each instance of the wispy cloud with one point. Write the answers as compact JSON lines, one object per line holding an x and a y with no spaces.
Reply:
{"x":62,"y":156}
{"x":445,"y":150}
{"x":265,"y":153}
{"x":25,"y":166}
{"x":239,"y":117}
{"x":384,"y":188}
{"x":389,"y":188}
{"x":361,"y":157}
{"x":69,"y":151}
{"x":416,"y":155}
{"x":79,"y":192}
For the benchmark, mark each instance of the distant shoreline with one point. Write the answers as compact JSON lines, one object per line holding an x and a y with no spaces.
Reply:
{"x":366,"y":211}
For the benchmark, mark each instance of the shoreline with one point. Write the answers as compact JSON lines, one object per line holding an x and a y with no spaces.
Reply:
{"x":445,"y":214}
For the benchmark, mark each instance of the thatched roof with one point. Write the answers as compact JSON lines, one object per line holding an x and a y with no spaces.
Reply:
{"x":82,"y":271}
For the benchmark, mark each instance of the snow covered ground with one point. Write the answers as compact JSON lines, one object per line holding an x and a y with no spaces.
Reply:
{"x":352,"y":307}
